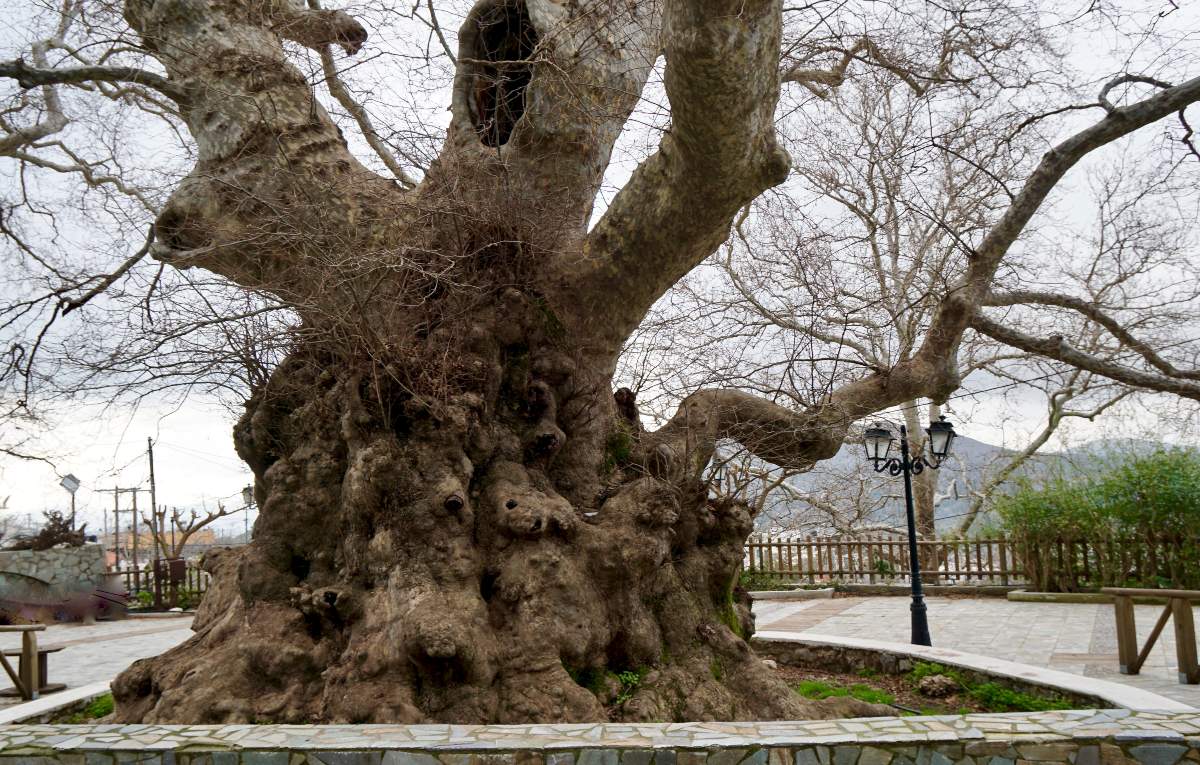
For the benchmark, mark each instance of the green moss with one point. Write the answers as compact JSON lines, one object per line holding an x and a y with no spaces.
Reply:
{"x":101,"y":706}
{"x":591,"y":678}
{"x":551,"y":324}
{"x":618,"y":448}
{"x":819,"y":689}
{"x":717,"y":668}
{"x":727,"y":612}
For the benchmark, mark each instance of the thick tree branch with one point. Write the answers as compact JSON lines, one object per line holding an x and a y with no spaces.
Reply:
{"x":771,"y":432}
{"x":1056,"y":347}
{"x":275,"y":185}
{"x":1096,"y":314}
{"x":723,"y":83}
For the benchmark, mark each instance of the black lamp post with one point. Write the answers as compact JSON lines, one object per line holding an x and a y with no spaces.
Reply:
{"x":878,"y":441}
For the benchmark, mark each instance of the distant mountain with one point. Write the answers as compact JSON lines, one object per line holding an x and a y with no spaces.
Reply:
{"x":840,"y":479}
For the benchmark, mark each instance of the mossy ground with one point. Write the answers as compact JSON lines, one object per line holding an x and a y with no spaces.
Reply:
{"x":900,"y":691}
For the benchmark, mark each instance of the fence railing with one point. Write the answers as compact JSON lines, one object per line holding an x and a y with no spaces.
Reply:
{"x":880,"y":559}
{"x":1056,"y":565}
{"x":194,"y":580}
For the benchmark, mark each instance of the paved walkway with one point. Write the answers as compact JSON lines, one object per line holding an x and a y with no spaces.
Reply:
{"x":1070,"y":637}
{"x":99,"y":652}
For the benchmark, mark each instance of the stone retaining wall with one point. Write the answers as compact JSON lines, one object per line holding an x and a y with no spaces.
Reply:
{"x":65,"y":569}
{"x":1106,"y":737}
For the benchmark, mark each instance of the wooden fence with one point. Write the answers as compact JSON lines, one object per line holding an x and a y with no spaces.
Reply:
{"x":194,"y":580}
{"x":1050,"y":565}
{"x":881,"y":559}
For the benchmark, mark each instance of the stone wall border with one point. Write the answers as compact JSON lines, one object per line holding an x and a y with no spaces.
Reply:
{"x":1077,"y":737}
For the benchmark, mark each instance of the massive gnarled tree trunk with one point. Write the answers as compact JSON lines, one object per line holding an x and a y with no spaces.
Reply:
{"x":459,"y":521}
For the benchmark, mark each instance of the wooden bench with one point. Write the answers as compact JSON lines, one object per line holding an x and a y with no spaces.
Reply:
{"x":27,"y":682}
{"x":1179,"y":605}
{"x":43,"y":670}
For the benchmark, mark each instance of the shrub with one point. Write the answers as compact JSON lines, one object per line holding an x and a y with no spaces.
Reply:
{"x":55,"y":531}
{"x":1135,"y":521}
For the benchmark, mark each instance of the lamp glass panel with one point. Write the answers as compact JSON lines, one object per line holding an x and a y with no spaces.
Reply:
{"x":878,"y":442}
{"x":941,"y":436}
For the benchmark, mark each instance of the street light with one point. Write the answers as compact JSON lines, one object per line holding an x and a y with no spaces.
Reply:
{"x":878,"y":441}
{"x":71,"y":484}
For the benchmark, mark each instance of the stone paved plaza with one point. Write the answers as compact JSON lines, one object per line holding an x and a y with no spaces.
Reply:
{"x":98,"y":652}
{"x":1069,"y":637}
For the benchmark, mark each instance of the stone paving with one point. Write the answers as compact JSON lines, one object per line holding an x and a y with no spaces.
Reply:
{"x":1070,"y":637}
{"x":1077,"y":737}
{"x":99,"y":652}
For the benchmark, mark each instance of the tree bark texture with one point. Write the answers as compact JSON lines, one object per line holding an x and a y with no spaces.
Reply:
{"x":458,"y":523}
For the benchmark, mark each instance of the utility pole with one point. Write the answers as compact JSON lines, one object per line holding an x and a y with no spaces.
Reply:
{"x":155,"y":529}
{"x":117,"y":492}
{"x":117,"y":528}
{"x":135,"y":533}
{"x":153,"y":494}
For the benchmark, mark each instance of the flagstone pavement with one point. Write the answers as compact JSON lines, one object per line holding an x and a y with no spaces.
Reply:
{"x":98,"y":652}
{"x":1079,"y":638}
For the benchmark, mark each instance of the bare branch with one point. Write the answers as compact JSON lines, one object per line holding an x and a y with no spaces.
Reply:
{"x":32,"y":77}
{"x":110,"y":279}
{"x":1056,"y":347}
{"x":1094,"y":312}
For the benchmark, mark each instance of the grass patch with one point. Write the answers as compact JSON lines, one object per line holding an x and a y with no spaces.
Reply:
{"x":819,"y":689}
{"x":101,"y":706}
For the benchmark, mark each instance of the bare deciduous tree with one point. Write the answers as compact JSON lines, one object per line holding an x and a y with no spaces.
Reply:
{"x":458,"y":519}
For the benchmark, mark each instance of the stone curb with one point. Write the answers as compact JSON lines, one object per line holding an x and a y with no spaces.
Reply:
{"x":1123,"y":696}
{"x":40,"y":708}
{"x":822,"y":594}
{"x":1098,"y":598}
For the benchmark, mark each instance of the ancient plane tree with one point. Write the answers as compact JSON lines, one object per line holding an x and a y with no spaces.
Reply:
{"x":459,"y":521}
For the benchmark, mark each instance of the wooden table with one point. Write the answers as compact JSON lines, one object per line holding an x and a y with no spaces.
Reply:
{"x":27,"y":681}
{"x":43,"y":670}
{"x":1179,"y":605}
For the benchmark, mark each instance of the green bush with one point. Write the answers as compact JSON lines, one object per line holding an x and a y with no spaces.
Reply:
{"x":188,"y":599}
{"x":1133,"y":521}
{"x":758,"y":581}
